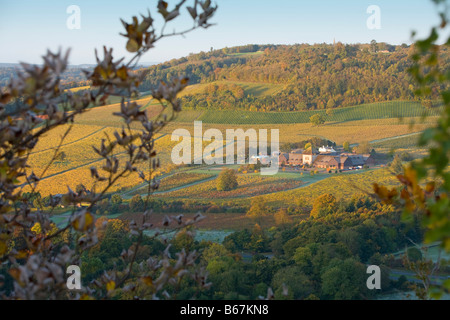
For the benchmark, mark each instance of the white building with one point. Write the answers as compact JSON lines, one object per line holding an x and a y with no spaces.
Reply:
{"x":326,"y":149}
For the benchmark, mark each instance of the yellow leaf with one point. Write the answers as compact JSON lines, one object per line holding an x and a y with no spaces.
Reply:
{"x":184,"y":81}
{"x":147,"y":280}
{"x":430,"y":187}
{"x":132,"y":45}
{"x":83,"y":222}
{"x":15,"y":273}
{"x":21,"y":254}
{"x":3,"y":248}
{"x":122,"y":73}
{"x":110,"y":285}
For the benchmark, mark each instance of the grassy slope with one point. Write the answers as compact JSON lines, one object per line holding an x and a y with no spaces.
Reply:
{"x":382,"y":110}
{"x":256,"y":89}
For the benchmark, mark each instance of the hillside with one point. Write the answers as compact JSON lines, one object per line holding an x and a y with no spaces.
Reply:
{"x":292,"y":78}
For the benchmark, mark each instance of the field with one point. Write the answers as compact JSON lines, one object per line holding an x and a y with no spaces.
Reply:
{"x":79,"y":157}
{"x":342,"y":186}
{"x":255,"y":89}
{"x":382,"y":110}
{"x":351,"y":131}
{"x":285,"y":189}
{"x":181,"y":179}
{"x":376,"y":123}
{"x":249,"y":185}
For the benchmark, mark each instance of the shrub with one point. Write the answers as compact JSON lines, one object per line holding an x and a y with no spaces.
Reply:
{"x":227,"y":180}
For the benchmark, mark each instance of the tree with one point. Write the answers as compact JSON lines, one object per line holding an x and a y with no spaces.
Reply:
{"x":330,"y":105}
{"x":282,"y":217}
{"x":430,"y":73}
{"x":363,"y":148}
{"x":116,"y":199}
{"x":303,"y":258}
{"x":345,"y":280}
{"x":297,"y":283}
{"x":373,"y":46}
{"x":324,"y":205}
{"x":227,"y":180}
{"x":346,"y":146}
{"x":258,"y":210}
{"x":414,"y":254}
{"x":40,"y":105}
{"x":317,"y":119}
{"x":397,"y":165}
{"x":136,"y":203}
{"x":258,"y":239}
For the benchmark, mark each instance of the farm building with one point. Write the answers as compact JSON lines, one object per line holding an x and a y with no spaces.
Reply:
{"x":348,"y":161}
{"x":326,"y":149}
{"x":345,"y":162}
{"x":370,"y":161}
{"x":326,"y":161}
{"x":283,"y":159}
{"x":295,"y":159}
{"x":309,"y":156}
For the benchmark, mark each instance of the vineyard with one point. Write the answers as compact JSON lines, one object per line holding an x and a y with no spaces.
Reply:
{"x":180,"y":179}
{"x":249,"y":185}
{"x":72,"y":168}
{"x":402,"y":142}
{"x":342,"y":186}
{"x":352,"y":131}
{"x":381,"y":110}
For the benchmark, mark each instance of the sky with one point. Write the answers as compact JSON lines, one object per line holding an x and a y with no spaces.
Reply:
{"x":29,"y":27}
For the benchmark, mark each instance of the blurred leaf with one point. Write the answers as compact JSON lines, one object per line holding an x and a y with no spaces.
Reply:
{"x":132,"y":45}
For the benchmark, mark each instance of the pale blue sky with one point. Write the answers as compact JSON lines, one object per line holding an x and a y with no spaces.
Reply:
{"x":29,"y":27}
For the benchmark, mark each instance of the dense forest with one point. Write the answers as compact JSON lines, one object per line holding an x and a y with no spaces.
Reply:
{"x":320,"y":76}
{"x":323,"y":257}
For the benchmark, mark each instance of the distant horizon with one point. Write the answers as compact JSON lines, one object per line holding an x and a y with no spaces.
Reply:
{"x":150,"y":63}
{"x":29,"y":28}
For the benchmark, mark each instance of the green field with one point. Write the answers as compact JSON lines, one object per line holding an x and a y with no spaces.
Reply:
{"x":381,"y":110}
{"x":401,"y":142}
{"x":256,"y":89}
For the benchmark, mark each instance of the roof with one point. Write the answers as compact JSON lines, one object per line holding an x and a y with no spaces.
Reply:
{"x":309,"y":151}
{"x":358,"y":160}
{"x":326,"y":159}
{"x":355,"y":159}
{"x":324,"y":149}
{"x":295,"y":155}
